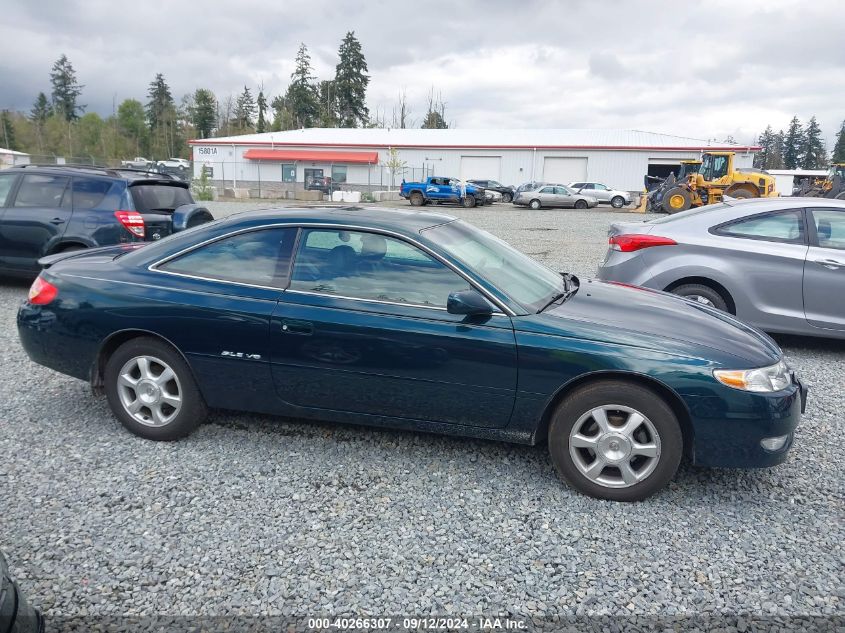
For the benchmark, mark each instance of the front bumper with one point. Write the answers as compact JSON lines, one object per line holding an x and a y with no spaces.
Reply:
{"x":729,"y":427}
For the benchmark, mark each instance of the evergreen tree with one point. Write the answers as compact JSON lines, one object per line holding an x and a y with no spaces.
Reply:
{"x":282,"y":117}
{"x":203,"y":112}
{"x":769,"y":156}
{"x":351,"y":82}
{"x":328,"y":103}
{"x":161,"y":117}
{"x":132,"y":125}
{"x":40,"y":109}
{"x":793,"y":143}
{"x":66,"y":89}
{"x":301,"y":98}
{"x":839,"y":147}
{"x":814,"y":153}
{"x":245,"y":110}
{"x":7,"y":131}
{"x":261,"y":102}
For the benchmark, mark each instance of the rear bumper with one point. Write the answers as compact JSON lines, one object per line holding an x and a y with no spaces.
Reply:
{"x":732,"y":438}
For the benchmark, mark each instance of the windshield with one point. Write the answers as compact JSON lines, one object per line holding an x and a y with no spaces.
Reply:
{"x":521,"y":278}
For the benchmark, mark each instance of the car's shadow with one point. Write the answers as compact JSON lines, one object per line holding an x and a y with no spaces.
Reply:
{"x":810,"y":343}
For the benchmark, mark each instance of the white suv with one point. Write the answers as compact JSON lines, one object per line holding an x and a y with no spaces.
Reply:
{"x":603,"y":193}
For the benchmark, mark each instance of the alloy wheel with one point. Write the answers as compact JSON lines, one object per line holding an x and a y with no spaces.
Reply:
{"x":149,"y":391}
{"x":701,"y":299}
{"x":614,"y":446}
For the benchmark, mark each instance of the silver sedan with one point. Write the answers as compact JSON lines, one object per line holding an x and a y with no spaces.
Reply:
{"x":776,"y":263}
{"x":554,"y":196}
{"x":615,"y":198}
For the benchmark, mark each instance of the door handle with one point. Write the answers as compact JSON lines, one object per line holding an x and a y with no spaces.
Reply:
{"x":57,"y":221}
{"x":830,"y":263}
{"x":297,"y":327}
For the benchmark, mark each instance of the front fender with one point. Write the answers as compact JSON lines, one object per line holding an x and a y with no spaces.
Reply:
{"x":189,"y":215}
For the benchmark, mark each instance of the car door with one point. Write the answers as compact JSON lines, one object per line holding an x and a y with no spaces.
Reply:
{"x":600,"y":192}
{"x":824,"y":272}
{"x":363,"y":329}
{"x":7,"y":185}
{"x":564,"y":197}
{"x":547,"y":196}
{"x":219,"y":298}
{"x":34,"y":220}
{"x":762,"y":257}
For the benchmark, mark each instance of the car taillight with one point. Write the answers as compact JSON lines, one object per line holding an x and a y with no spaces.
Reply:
{"x":634,"y":242}
{"x":132,"y":221}
{"x":42,"y":292}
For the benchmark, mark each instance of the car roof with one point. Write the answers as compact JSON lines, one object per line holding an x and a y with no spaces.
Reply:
{"x":734,"y":208}
{"x":398,"y":220}
{"x":121,"y":173}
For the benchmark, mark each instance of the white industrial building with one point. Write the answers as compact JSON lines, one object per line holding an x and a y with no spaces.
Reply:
{"x":10,"y":158}
{"x":360,"y":158}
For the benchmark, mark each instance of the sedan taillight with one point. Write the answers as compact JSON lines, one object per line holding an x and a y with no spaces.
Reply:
{"x":42,"y":292}
{"x":635,"y":242}
{"x":132,"y":221}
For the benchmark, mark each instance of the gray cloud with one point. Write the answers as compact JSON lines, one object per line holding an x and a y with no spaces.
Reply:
{"x":498,"y":63}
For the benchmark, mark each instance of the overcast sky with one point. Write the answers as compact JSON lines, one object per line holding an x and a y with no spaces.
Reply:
{"x":704,"y":70}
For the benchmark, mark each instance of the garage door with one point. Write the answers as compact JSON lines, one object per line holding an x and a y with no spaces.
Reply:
{"x":564,"y":170}
{"x":481,"y":167}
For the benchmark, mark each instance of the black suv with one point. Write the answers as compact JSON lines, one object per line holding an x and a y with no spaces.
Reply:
{"x":48,"y":209}
{"x":492,"y":185}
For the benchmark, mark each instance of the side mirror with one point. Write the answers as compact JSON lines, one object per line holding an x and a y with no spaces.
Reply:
{"x":468,"y":302}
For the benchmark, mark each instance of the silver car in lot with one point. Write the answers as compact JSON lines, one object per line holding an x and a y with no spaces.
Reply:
{"x":615,"y":198}
{"x":776,"y":263}
{"x":554,"y":196}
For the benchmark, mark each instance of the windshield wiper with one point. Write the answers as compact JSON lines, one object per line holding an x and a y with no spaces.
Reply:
{"x":569,"y":289}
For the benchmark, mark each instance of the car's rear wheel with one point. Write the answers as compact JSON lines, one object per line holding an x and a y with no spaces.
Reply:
{"x":617,"y":202}
{"x":702,"y":294}
{"x":506,"y":197}
{"x":534,"y":204}
{"x":417,"y":199}
{"x":616,"y":440}
{"x":580,"y":204}
{"x":468,"y":202}
{"x":152,"y":391}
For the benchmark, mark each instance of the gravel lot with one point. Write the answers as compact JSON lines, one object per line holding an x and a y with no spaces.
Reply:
{"x":256,"y":515}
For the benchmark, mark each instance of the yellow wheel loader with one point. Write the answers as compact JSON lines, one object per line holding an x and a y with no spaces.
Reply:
{"x":831,"y":186}
{"x":656,"y":188}
{"x":716,"y":179}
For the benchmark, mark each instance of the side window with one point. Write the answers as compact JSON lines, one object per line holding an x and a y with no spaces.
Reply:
{"x":599,"y":187}
{"x":89,"y":193}
{"x":589,"y":186}
{"x":259,"y":258}
{"x":577,"y":185}
{"x":562,"y":191}
{"x":7,"y":181}
{"x":780,"y":226}
{"x":547,"y":190}
{"x":830,"y":228}
{"x":371,"y":267}
{"x":38,"y":190}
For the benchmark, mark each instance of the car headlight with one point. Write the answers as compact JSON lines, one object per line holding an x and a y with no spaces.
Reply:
{"x":764,"y":379}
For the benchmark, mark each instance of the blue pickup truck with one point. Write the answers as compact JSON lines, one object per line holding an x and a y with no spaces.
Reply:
{"x":442,"y":189}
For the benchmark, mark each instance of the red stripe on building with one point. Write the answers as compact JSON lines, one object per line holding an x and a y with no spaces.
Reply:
{"x":367,"y":158}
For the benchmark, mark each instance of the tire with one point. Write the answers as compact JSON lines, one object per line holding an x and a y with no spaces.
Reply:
{"x":468,"y":202}
{"x":164,"y":422}
{"x":534,"y":204}
{"x":741,"y":194}
{"x":617,"y":202}
{"x":610,"y":405}
{"x":702,"y":294}
{"x":580,"y":204}
{"x":70,"y":249}
{"x":198,"y":220}
{"x":506,"y":197}
{"x":840,"y":196}
{"x":676,"y":200}
{"x":416,"y":199}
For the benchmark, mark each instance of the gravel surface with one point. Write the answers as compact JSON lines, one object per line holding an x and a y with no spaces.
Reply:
{"x":256,"y":515}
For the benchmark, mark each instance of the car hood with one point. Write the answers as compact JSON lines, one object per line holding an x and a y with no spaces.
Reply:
{"x":640,"y":317}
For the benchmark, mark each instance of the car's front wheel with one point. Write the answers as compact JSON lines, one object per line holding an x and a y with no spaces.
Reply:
{"x":580,"y":204}
{"x":534,"y":204}
{"x":615,"y":440}
{"x":617,"y":202}
{"x":506,"y":197}
{"x":151,"y":390}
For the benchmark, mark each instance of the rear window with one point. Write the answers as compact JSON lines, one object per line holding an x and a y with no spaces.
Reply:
{"x":152,"y":198}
